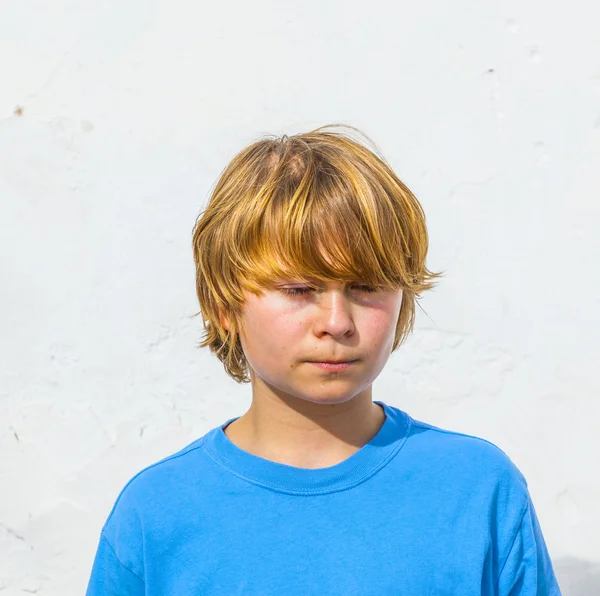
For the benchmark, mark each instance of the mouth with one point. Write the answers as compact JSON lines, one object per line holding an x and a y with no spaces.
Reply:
{"x":339,"y":365}
{"x":332,"y":361}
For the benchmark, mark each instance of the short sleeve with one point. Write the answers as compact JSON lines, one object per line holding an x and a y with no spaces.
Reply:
{"x":527,"y":570}
{"x":110,"y":577}
{"x":118,"y":567}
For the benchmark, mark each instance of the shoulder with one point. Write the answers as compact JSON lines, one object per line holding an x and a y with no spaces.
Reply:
{"x":143,"y":489}
{"x":485,"y":480}
{"x":461,"y":447}
{"x":469,"y":460}
{"x":143,"y":502}
{"x":151,"y":490}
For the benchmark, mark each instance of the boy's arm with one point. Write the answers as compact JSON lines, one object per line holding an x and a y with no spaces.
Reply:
{"x":527,"y":570}
{"x":110,"y":577}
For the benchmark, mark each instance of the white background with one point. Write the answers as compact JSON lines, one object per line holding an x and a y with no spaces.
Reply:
{"x":116,"y":119}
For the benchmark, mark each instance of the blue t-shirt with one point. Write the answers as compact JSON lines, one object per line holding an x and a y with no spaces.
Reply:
{"x":417,"y":511}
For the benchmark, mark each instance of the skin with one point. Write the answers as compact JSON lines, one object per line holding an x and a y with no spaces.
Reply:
{"x":301,"y":415}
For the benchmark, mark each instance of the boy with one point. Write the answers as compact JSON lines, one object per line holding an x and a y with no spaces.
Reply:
{"x":309,"y":258}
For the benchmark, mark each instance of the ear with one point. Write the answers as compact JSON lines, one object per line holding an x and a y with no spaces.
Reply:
{"x":224,"y":320}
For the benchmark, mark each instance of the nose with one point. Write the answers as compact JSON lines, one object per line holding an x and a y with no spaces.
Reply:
{"x":334,"y":314}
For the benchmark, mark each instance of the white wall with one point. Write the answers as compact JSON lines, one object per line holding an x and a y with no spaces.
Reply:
{"x":489,"y":111}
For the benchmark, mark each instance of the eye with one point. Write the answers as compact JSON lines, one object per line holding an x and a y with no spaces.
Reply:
{"x":297,"y":291}
{"x":368,"y":289}
{"x":303,"y":291}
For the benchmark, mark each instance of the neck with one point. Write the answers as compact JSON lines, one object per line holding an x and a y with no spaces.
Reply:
{"x":305,"y":434}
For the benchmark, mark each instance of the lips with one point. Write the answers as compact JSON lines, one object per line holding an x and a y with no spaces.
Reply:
{"x":338,"y":366}
{"x":332,"y":361}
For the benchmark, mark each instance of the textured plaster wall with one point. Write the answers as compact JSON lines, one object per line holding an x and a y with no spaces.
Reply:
{"x":115,"y":120}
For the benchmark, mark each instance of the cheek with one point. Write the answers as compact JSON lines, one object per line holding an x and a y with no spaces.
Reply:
{"x":283,"y":332}
{"x":379,"y":324}
{"x":378,"y":329}
{"x":273,"y":329}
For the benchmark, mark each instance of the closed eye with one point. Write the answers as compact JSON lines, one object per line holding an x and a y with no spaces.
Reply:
{"x":307,"y":289}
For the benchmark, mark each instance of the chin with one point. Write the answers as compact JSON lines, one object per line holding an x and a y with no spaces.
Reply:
{"x":327,"y":399}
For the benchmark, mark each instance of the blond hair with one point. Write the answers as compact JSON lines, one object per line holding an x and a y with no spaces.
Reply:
{"x":318,"y":204}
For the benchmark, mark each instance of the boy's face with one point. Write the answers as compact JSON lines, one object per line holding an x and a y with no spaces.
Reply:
{"x":282,"y":333}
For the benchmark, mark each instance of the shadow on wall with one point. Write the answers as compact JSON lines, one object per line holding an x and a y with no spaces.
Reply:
{"x":577,"y":577}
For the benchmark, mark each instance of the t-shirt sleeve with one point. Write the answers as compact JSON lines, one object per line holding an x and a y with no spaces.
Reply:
{"x":118,"y":567}
{"x":527,"y":570}
{"x":110,"y":577}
